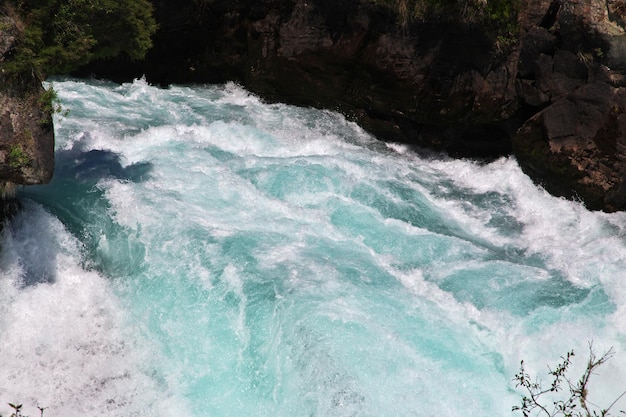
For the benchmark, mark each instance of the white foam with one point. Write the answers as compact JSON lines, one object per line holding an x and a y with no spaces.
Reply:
{"x":194,"y":186}
{"x":398,"y":147}
{"x":233,"y":93}
{"x":66,"y":343}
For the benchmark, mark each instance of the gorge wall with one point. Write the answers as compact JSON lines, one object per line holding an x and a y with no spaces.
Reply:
{"x":26,"y":130}
{"x":553,"y":95}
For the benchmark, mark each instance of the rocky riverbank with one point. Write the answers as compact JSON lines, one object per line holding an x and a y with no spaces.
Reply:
{"x":551,"y":91}
{"x":553,"y":95}
{"x":26,"y":131}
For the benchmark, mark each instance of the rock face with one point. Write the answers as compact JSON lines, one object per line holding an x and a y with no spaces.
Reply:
{"x":554,"y":96}
{"x":571,"y":75}
{"x":26,"y":133}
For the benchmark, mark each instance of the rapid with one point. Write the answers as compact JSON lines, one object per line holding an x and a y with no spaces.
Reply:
{"x":202,"y":253}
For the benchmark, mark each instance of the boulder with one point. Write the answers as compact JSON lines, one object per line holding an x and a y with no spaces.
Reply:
{"x":576,"y":146}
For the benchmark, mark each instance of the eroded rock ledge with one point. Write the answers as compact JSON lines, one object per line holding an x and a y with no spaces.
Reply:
{"x":26,"y":131}
{"x":554,"y":96}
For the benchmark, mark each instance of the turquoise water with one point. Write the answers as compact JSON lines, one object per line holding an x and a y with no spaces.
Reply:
{"x":201,"y":253}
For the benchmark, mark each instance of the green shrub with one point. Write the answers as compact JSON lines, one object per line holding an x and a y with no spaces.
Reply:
{"x":17,"y":158}
{"x":61,"y":35}
{"x":50,"y":105}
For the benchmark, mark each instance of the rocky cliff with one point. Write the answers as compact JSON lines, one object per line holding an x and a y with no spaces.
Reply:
{"x":552,"y":94}
{"x":571,"y":74}
{"x":26,"y":131}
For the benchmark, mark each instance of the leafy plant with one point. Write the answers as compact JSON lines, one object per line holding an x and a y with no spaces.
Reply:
{"x":50,"y":104}
{"x":575,"y":403}
{"x":17,"y":158}
{"x":61,"y":35}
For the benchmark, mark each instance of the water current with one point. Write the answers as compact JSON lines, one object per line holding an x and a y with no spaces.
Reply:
{"x":202,"y":253}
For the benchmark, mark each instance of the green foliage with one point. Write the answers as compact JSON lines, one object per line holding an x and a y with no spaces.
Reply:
{"x":61,"y":35}
{"x":502,"y":16}
{"x":575,"y":402}
{"x":49,"y":101}
{"x":17,"y":158}
{"x":50,"y":104}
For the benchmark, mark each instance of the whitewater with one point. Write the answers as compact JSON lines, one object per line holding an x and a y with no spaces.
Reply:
{"x":202,"y":253}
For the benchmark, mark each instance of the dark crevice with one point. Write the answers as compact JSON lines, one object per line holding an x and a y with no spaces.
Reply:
{"x":549,"y":19}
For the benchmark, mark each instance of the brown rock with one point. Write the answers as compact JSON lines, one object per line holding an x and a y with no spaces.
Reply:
{"x":573,"y":145}
{"x":26,"y":134}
